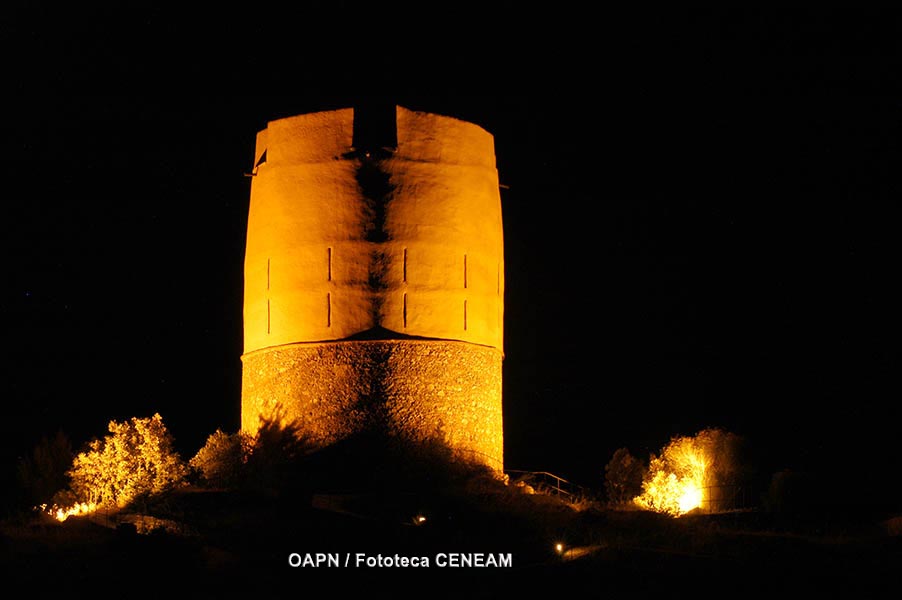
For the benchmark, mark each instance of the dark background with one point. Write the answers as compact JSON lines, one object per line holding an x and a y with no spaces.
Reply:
{"x":701,"y":225}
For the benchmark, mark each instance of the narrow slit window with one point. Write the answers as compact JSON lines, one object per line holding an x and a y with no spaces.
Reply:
{"x":328,"y":309}
{"x":404,"y":311}
{"x":329,"y":265}
{"x":465,"y":271}
{"x":404,"y":274}
{"x":465,"y":315}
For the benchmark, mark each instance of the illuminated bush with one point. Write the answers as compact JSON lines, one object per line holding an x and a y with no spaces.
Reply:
{"x":680,"y":479}
{"x":135,"y":459}
{"x":270,"y":460}
{"x":220,"y":460}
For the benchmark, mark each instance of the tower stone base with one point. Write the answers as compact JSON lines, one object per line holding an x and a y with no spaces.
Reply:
{"x":420,"y":390}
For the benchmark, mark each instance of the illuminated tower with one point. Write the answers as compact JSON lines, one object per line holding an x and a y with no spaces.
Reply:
{"x":374,"y":280}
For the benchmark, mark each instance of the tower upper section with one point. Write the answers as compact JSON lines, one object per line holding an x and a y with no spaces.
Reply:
{"x":344,"y":241}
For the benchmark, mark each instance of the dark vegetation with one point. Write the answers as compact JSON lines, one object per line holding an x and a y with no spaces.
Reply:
{"x":235,"y":530}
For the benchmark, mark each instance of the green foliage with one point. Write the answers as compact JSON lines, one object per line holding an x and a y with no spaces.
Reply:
{"x":135,"y":459}
{"x":623,"y":477}
{"x":43,"y":474}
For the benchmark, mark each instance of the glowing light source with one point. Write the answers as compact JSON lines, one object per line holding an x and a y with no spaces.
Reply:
{"x":63,"y":513}
{"x":559,"y":548}
{"x":691,"y":498}
{"x":676,"y":480}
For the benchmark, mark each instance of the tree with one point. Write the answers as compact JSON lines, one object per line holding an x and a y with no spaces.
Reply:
{"x":692,"y":472}
{"x":136,"y":459}
{"x":220,"y":460}
{"x":623,"y":477}
{"x":275,"y":456}
{"x":43,"y":473}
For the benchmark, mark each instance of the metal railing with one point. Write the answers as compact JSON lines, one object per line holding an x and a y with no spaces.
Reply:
{"x":729,"y":497}
{"x":545,"y":482}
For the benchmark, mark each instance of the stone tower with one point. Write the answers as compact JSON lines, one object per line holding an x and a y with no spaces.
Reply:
{"x":374,"y":280}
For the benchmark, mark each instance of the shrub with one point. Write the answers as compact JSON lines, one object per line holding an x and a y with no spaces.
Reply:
{"x":43,"y":473}
{"x":623,"y":477}
{"x":135,"y":459}
{"x":220,"y":461}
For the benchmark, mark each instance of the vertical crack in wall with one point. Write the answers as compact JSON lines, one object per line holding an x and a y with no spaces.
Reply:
{"x":373,"y":399}
{"x":375,"y":140}
{"x":376,"y":189}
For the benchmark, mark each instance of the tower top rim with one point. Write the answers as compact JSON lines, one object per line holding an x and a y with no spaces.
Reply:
{"x":399,"y":108}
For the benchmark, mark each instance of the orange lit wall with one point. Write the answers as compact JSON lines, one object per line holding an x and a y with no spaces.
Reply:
{"x":376,"y":305}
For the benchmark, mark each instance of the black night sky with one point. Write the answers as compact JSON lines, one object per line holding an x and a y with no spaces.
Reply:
{"x":701,"y":229}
